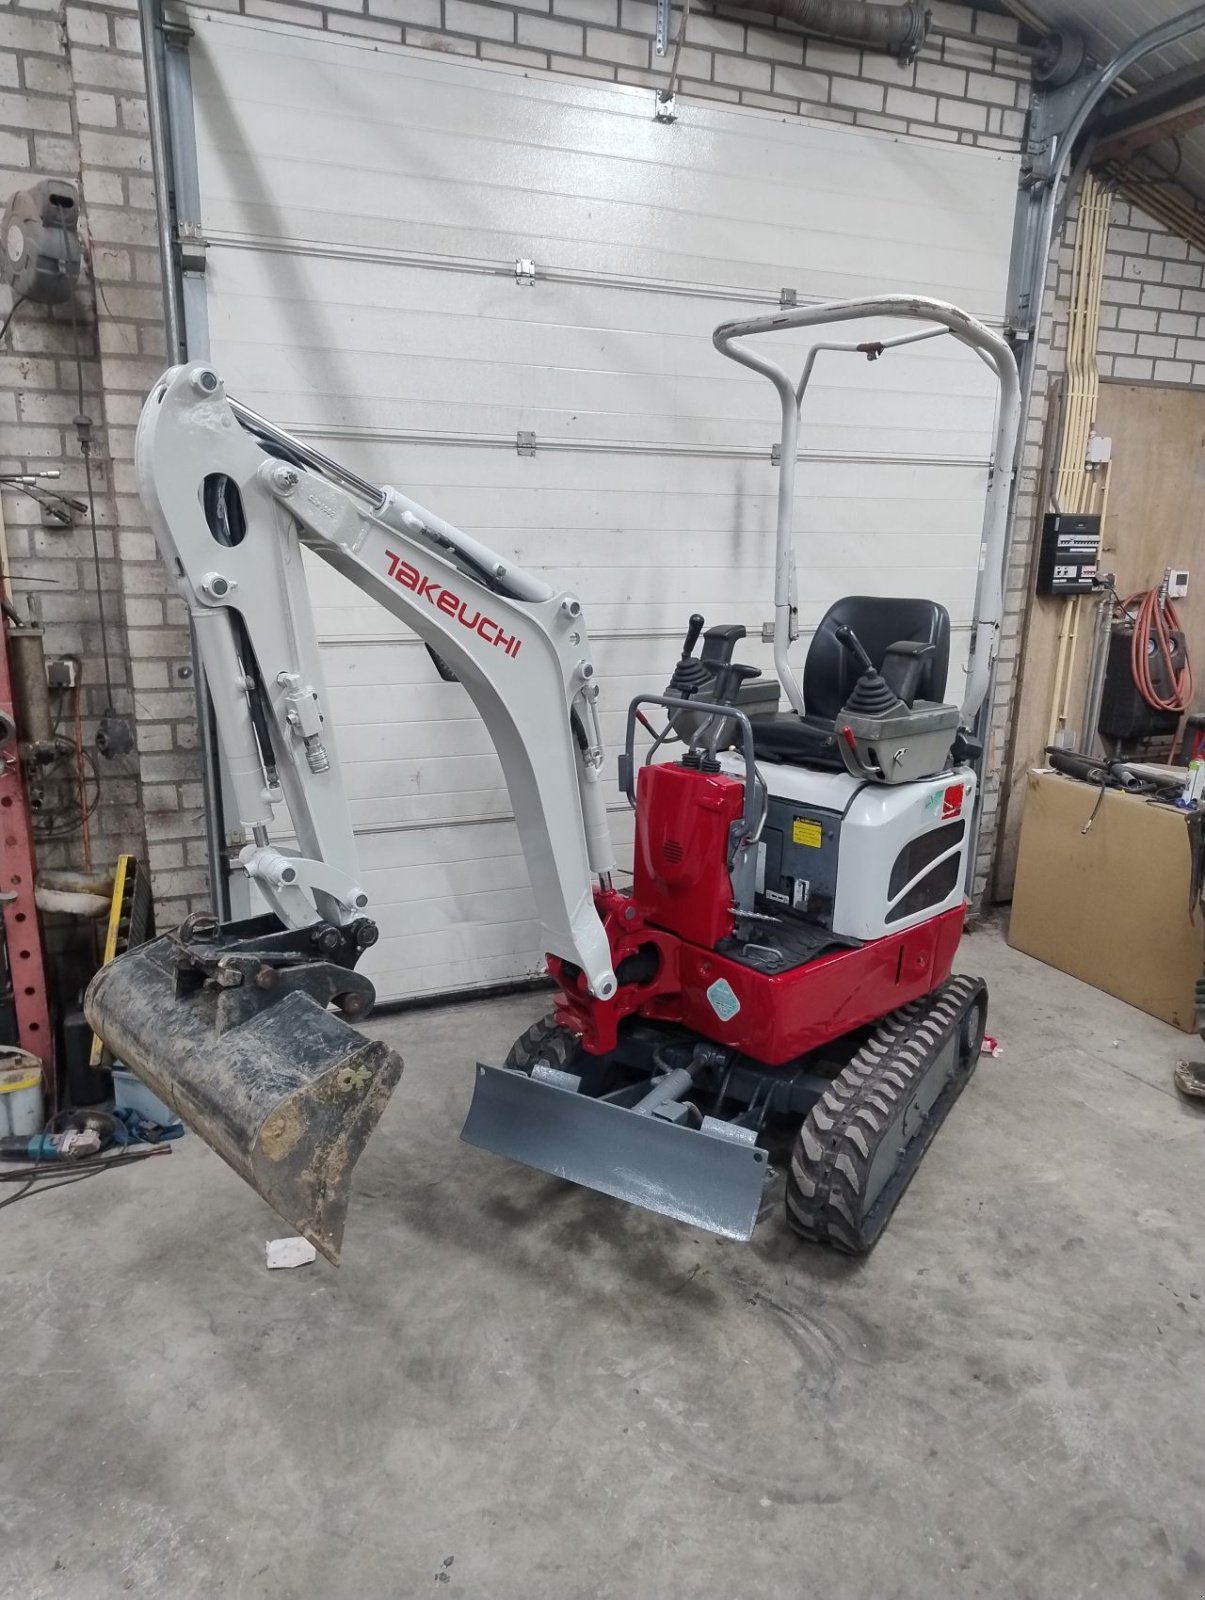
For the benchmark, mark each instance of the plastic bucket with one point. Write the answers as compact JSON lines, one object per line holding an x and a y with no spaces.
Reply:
{"x":21,"y":1104}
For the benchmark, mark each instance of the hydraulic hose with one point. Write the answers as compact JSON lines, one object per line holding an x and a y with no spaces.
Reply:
{"x":1158,"y":622}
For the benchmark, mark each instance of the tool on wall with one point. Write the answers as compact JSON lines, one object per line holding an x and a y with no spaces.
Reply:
{"x":40,"y":254}
{"x":40,"y":261}
{"x":50,"y":758}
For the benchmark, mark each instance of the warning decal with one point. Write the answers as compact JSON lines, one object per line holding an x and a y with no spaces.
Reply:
{"x":804,"y":830}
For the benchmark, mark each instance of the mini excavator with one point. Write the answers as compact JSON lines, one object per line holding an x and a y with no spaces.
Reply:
{"x":777,"y":977}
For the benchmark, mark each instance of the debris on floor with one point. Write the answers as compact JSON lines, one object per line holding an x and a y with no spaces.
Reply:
{"x":295,"y":1252}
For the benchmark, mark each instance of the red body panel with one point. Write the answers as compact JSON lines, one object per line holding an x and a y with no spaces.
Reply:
{"x":663,"y":939}
{"x":680,"y":881}
{"x":786,"y":1014}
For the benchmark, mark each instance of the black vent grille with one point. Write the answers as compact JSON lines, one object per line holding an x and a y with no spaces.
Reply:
{"x":933,"y":888}
{"x":918,"y":853}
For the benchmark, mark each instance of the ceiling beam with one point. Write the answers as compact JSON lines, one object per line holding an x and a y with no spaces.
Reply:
{"x":1161,"y":109}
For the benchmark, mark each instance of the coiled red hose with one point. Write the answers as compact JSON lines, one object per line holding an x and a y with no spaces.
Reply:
{"x":1158,"y":622}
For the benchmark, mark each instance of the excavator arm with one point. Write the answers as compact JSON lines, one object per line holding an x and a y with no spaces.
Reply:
{"x":230,"y":1024}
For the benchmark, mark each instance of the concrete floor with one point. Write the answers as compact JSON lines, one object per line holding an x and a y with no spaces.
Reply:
{"x":515,"y":1390}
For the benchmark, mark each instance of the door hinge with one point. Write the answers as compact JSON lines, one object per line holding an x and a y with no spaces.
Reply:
{"x":775,"y":454}
{"x":666,"y":106}
{"x":177,"y":34}
{"x":525,"y":443}
{"x":525,"y":271}
{"x":192,"y":245}
{"x":787,"y":298}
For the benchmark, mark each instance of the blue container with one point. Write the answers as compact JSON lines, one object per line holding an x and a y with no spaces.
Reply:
{"x":131,"y":1094}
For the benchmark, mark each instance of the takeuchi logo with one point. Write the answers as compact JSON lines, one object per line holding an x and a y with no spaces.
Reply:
{"x":450,"y":603}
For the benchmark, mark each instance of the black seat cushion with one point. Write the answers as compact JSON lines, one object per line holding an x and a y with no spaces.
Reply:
{"x":795,"y":741}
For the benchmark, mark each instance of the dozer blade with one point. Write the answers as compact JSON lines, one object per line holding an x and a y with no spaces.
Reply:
{"x":285,"y":1092}
{"x":710,"y":1180}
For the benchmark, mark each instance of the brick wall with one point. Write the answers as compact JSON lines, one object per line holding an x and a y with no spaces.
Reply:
{"x":76,"y":109}
{"x":1153,"y":308}
{"x":52,"y":569}
{"x":1152,"y":330}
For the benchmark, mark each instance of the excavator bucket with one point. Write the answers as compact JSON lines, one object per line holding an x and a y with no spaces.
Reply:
{"x":711,"y":1177}
{"x":283,"y":1089}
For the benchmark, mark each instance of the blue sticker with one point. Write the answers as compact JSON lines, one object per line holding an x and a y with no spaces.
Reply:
{"x":723,"y":1002}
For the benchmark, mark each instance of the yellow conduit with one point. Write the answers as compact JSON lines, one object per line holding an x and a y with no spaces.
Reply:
{"x":1077,"y":486}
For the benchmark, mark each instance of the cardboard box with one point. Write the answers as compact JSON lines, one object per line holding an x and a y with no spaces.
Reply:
{"x":1110,"y":906}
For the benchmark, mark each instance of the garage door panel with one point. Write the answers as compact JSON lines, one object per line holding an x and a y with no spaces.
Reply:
{"x":500,"y":356}
{"x":507,"y":180}
{"x":607,"y":543}
{"x":364,"y":206}
{"x":472,"y":161}
{"x":403,"y":300}
{"x":714,"y":597}
{"x":464,"y":846}
{"x":626,"y":666}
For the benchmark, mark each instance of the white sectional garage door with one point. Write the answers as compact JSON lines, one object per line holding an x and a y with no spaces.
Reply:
{"x":365,"y":208}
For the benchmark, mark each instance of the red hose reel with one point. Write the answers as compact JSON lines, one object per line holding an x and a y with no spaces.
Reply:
{"x":1159,"y":622}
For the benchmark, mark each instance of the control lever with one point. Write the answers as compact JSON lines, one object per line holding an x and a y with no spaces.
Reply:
{"x":846,"y":635}
{"x":689,"y":675}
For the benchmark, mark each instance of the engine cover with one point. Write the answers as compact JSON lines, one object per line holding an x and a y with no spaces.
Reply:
{"x":862,"y":859}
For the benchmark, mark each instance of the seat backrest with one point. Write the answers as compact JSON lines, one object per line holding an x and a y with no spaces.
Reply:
{"x":830,"y":671}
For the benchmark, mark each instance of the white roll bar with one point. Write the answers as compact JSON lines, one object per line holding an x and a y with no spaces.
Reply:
{"x":994,"y":351}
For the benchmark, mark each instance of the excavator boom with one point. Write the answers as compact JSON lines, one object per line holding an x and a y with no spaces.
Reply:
{"x":230,"y":1024}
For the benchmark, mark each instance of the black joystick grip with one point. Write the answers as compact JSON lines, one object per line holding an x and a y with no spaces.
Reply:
{"x":690,"y":675}
{"x":854,"y":645}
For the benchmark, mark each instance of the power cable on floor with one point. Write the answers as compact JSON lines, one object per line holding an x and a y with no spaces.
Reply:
{"x":60,"y":1175}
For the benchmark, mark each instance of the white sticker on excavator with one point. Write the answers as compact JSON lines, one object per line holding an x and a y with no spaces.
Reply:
{"x":723,"y":1002}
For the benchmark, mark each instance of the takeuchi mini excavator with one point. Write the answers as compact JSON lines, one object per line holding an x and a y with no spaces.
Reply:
{"x":773,"y":989}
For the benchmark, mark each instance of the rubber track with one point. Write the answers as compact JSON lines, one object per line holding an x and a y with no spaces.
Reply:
{"x":843,"y":1131}
{"x":545,"y":1041}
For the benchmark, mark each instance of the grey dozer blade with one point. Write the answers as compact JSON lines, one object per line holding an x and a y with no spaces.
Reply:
{"x":712,"y":1177}
{"x":283,"y":1089}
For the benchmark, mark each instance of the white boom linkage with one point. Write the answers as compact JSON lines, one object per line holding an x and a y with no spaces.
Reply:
{"x":232,"y":499}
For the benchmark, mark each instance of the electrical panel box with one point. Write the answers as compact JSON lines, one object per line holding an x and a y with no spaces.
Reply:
{"x":1069,"y":554}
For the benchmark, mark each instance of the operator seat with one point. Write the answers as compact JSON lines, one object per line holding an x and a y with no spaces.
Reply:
{"x":830,"y":671}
